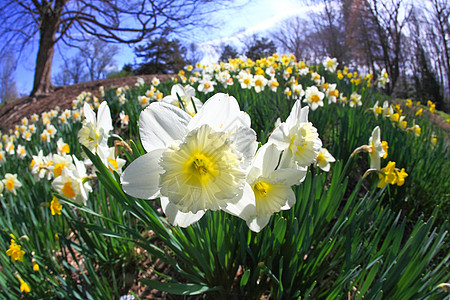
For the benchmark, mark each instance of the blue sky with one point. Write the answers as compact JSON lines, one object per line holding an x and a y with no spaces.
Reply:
{"x":256,"y":16}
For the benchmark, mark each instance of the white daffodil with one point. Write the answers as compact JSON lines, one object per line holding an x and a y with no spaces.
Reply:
{"x":355,"y":99}
{"x":298,"y":138}
{"x":2,"y":157}
{"x":11,"y":183}
{"x":332,"y":93}
{"x":245,"y":79}
{"x":259,"y":82}
{"x":324,"y":158}
{"x":42,"y":166}
{"x":21,"y":151}
{"x":193,"y":163}
{"x":376,"y":150}
{"x":114,"y":164}
{"x":60,"y":162}
{"x":206,"y":85}
{"x":313,"y":97}
{"x":62,"y":148}
{"x":95,"y":131}
{"x":186,"y":95}
{"x":72,"y":184}
{"x":271,"y":189}
{"x":330,"y":64}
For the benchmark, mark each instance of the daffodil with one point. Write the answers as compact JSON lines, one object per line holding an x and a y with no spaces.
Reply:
{"x":401,"y":175}
{"x":62,"y":148}
{"x":114,"y":163}
{"x":24,"y":287}
{"x":324,"y":158}
{"x":60,"y":162}
{"x":355,"y":100}
{"x":192,"y":163}
{"x":21,"y":151}
{"x":270,"y":189}
{"x":313,"y":97}
{"x":2,"y":157}
{"x":184,"y":98}
{"x":55,"y":206}
{"x":330,"y":64}
{"x":387,"y":175}
{"x":259,"y":82}
{"x":332,"y":93}
{"x":15,"y":251}
{"x":11,"y":183}
{"x":206,"y":85}
{"x":73,"y":184}
{"x":42,"y":166}
{"x":95,"y":131}
{"x":35,"y":265}
{"x":376,"y":149}
{"x":298,"y":138}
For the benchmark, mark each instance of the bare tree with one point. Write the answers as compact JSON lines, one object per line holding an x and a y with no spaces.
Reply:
{"x":70,"y":22}
{"x":328,"y":36}
{"x":389,"y":18}
{"x":98,"y":57}
{"x":437,"y":25}
{"x":8,"y":88}
{"x":291,"y":35}
{"x":73,"y":71}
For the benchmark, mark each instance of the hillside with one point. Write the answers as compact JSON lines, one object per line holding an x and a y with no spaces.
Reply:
{"x":13,"y":111}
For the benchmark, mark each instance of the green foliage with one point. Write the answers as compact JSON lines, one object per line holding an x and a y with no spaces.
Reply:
{"x":344,"y":237}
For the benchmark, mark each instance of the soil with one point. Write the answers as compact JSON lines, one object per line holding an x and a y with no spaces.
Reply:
{"x":13,"y":111}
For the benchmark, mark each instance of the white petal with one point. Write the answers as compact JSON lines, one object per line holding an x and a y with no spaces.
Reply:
{"x":104,"y":117}
{"x":245,"y":207}
{"x":89,"y":113}
{"x":221,"y":112}
{"x":291,"y":199}
{"x":289,"y":176}
{"x":280,"y":137}
{"x":297,"y":115}
{"x":267,"y":159}
{"x":160,"y":124}
{"x":258,"y":222}
{"x":178,"y":218}
{"x":141,"y":178}
{"x":244,"y":139}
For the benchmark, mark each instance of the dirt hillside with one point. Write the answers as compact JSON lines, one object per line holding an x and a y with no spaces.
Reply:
{"x":13,"y":111}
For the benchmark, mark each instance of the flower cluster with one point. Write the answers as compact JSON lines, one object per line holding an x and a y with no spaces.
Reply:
{"x":209,"y":161}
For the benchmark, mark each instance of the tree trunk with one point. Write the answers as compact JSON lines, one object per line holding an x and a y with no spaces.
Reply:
{"x":47,"y":39}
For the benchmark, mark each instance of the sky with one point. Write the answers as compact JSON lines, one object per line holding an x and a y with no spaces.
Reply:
{"x":256,"y":16}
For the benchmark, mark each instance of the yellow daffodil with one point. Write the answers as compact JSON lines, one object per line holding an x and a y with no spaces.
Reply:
{"x":24,"y":287}
{"x":55,"y":206}
{"x":15,"y":251}
{"x":387,"y":175}
{"x":419,"y":112}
